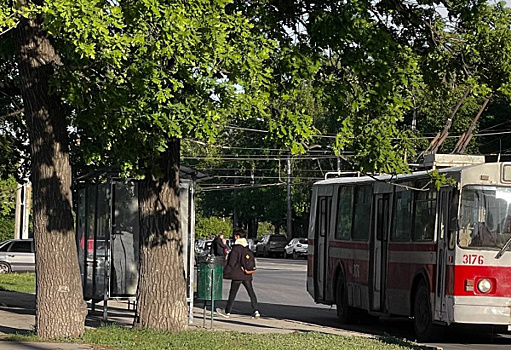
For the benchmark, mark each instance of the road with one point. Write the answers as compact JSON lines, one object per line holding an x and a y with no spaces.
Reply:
{"x":280,"y":286}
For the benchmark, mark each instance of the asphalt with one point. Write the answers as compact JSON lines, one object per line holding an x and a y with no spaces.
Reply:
{"x":17,"y":315}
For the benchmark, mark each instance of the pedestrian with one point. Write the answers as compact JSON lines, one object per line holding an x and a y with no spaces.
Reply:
{"x":238,"y":274}
{"x":219,"y":246}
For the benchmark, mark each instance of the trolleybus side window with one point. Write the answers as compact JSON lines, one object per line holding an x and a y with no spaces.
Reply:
{"x":402,"y":221}
{"x":323,"y":216}
{"x":424,"y":219}
{"x":362,"y":212}
{"x":344,"y":213}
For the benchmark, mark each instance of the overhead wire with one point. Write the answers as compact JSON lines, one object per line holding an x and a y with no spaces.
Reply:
{"x":243,"y":186}
{"x":419,"y":137}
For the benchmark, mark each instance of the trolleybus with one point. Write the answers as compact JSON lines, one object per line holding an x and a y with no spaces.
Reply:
{"x":398,"y":245}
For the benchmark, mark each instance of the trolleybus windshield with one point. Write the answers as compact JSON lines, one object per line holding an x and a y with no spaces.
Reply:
{"x":485,"y":220}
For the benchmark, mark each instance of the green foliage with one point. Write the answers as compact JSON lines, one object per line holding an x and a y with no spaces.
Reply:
{"x":441,"y":179}
{"x":6,"y":227}
{"x":139,"y":74}
{"x":7,"y":195}
{"x":209,"y":227}
{"x":264,"y":227}
{"x":7,"y":205}
{"x":18,"y":282}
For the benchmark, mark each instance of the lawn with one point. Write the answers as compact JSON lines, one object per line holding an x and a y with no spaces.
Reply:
{"x":18,"y":282}
{"x":117,"y":338}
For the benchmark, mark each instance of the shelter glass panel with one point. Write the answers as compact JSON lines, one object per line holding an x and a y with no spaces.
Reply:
{"x":100,"y":246}
{"x":125,"y":240}
{"x":89,"y":247}
{"x":80,"y":231}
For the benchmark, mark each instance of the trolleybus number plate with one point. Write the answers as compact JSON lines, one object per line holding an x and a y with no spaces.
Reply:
{"x":473,"y":259}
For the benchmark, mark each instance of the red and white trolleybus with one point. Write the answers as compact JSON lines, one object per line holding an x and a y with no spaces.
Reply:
{"x":397,"y":245}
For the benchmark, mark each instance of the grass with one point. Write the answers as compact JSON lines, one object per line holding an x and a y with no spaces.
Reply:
{"x":18,"y":282}
{"x":116,"y":338}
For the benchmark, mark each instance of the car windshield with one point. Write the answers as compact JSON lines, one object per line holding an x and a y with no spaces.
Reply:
{"x":303,"y":241}
{"x":485,"y":219}
{"x":278,"y":238}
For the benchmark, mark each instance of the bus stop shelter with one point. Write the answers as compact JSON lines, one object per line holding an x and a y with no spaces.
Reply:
{"x":108,"y":235}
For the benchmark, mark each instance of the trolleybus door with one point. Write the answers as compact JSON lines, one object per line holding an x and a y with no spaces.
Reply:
{"x":321,"y":246}
{"x":379,"y":254}
{"x":444,"y":204}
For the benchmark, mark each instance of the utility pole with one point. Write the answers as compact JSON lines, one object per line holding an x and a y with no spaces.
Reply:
{"x":289,"y":209}
{"x":235,"y":223}
{"x":22,"y":211}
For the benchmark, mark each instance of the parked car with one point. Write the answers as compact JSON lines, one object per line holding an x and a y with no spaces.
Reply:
{"x":271,"y":245}
{"x":17,"y":255}
{"x":202,"y":249}
{"x":252,"y":244}
{"x":297,"y":247}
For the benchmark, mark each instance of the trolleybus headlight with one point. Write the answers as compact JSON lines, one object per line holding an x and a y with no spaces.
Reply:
{"x":484,"y":285}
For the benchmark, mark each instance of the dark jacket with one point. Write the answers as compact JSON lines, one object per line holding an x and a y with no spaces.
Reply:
{"x":218,"y":247}
{"x":233,"y":265}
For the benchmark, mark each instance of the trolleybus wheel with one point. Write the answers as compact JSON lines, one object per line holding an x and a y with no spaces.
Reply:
{"x":422,"y":316}
{"x":344,"y":312}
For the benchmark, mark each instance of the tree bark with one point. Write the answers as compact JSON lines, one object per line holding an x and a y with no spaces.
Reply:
{"x":161,"y":299}
{"x":60,"y":308}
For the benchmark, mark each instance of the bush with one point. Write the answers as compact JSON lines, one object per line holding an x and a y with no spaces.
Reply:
{"x":206,"y":228}
{"x":264,"y":228}
{"x":6,"y":228}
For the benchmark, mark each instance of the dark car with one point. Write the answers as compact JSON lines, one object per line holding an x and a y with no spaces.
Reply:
{"x":272,"y":245}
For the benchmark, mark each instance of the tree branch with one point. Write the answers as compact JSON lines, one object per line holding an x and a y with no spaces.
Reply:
{"x":12,"y":114}
{"x":10,"y":28}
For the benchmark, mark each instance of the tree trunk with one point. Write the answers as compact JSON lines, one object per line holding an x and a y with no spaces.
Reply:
{"x":252,"y":228}
{"x":60,"y":308}
{"x":161,"y":299}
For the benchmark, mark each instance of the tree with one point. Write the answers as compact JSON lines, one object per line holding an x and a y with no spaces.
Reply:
{"x":141,"y":76}
{"x":464,"y":61}
{"x":60,"y":308}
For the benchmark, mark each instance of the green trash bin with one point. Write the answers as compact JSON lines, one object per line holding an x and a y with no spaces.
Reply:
{"x":210,"y":278}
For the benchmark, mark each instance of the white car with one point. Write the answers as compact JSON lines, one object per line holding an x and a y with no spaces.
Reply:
{"x":17,"y":255}
{"x":297,"y":247}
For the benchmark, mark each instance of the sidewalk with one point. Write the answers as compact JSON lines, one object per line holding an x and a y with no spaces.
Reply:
{"x":245,"y":323}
